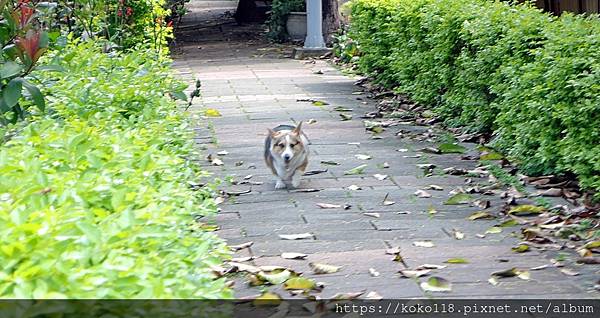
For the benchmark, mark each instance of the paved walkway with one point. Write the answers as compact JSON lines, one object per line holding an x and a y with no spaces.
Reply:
{"x":255,"y":86}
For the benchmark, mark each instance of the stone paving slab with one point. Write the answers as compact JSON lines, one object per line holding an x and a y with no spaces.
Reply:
{"x":254,"y":88}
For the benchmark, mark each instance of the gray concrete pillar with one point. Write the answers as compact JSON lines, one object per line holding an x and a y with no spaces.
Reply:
{"x":314,"y":25}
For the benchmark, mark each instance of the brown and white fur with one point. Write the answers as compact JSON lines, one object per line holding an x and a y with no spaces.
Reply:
{"x":286,"y":153}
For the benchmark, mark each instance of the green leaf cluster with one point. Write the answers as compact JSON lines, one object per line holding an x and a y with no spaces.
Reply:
{"x":95,"y":197}
{"x":280,"y":9}
{"x":530,"y":79}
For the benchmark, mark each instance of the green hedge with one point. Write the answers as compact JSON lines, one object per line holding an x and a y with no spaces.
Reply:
{"x":531,"y":79}
{"x":95,"y":197}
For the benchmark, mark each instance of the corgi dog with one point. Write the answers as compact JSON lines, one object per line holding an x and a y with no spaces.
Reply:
{"x":286,"y":154}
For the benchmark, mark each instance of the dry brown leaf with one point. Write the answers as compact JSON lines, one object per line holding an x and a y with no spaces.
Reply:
{"x":380,"y":177}
{"x":372,"y":214}
{"x":328,"y":206}
{"x":300,"y":236}
{"x":422,"y":194}
{"x":319,"y":268}
{"x":408,"y":273}
{"x":427,"y":244}
{"x":293,"y":255}
{"x":373,"y":272}
{"x":241,"y":246}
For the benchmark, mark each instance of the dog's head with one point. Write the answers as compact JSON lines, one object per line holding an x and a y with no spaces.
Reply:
{"x":287,"y":144}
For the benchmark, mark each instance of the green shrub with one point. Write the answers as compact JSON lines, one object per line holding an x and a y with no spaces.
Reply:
{"x":531,"y":79}
{"x":95,"y":198}
{"x":278,"y":18}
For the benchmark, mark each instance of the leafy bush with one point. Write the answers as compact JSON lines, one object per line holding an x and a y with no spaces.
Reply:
{"x":527,"y":77}
{"x":126,"y":24}
{"x":23,"y":42}
{"x":95,"y":198}
{"x":277,"y":20}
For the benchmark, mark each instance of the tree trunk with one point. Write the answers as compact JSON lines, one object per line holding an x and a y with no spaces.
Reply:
{"x":331,"y":19}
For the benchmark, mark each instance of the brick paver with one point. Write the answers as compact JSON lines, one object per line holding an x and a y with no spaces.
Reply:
{"x":256,"y":86}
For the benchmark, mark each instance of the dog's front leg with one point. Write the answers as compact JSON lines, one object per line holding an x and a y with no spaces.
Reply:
{"x":279,"y":184}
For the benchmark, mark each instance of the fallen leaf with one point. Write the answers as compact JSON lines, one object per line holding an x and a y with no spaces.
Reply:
{"x":342,"y":109}
{"x":330,"y":163}
{"x":242,"y":259}
{"x":431,"y":150}
{"x":328,"y":206}
{"x":311,"y":121}
{"x":276,"y":278}
{"x":459,"y":198}
{"x":408,"y":273}
{"x":373,"y":272}
{"x":568,"y":272}
{"x":272,"y":268}
{"x":306,"y":190}
{"x":509,"y":223}
{"x":537,"y":268}
{"x":482,"y":204}
{"x":456,"y":261}
{"x":437,"y":284}
{"x":423,"y":244}
{"x":493,"y":230}
{"x":380,"y":177}
{"x":362,"y":157}
{"x":211,"y":112}
{"x":299,"y":283}
{"x":319,"y":103}
{"x":345,"y":117}
{"x":433,"y":187}
{"x":402,"y":150}
{"x":354,"y":187}
{"x":293,"y":255}
{"x":592,"y":245}
{"x":458,"y":234}
{"x":513,"y":272}
{"x":384,"y":165}
{"x":223,"y":153}
{"x":422,"y":194}
{"x":314,"y":172}
{"x":493,"y":281}
{"x":388,"y":202}
{"x":323,"y":268}
{"x":267,"y":299}
{"x":451,"y":148}
{"x":480,"y":216}
{"x":219,"y":200}
{"x":241,"y":267}
{"x":521,"y":248}
{"x":241,"y":246}
{"x":357,"y":170}
{"x":552,"y":192}
{"x":301,"y":236}
{"x":373,"y":295}
{"x":491,"y":155}
{"x":372,"y":214}
{"x":526,"y":210}
{"x":431,"y":266}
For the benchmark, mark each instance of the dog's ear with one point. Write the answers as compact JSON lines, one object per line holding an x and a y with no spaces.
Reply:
{"x":271,"y":132}
{"x":298,"y":128}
